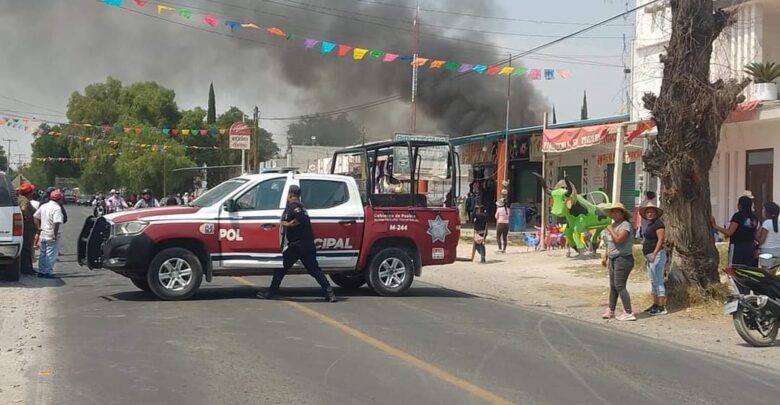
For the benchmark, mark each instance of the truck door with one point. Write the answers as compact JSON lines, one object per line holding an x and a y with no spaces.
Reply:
{"x":249,"y":238}
{"x":337,"y":217}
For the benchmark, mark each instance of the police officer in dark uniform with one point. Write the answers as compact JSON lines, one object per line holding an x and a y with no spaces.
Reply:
{"x":300,"y":246}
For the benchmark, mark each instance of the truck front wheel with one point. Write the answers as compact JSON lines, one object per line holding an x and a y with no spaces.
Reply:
{"x":174,"y":274}
{"x":390,"y":272}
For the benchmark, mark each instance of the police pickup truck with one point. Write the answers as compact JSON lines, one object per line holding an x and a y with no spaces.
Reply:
{"x":372,"y":226}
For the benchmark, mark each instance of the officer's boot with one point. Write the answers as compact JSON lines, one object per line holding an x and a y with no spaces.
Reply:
{"x":330,"y":296}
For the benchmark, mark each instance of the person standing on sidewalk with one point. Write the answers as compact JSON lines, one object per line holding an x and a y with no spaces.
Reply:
{"x":654,"y":233}
{"x":49,"y":220}
{"x":741,"y":232}
{"x":26,"y":190}
{"x":300,"y":246}
{"x":480,"y":233}
{"x":619,"y":257}
{"x":502,"y":225}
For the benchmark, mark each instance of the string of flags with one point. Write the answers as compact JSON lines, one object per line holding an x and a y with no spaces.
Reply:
{"x":114,"y":142}
{"x":348,"y":51}
{"x":26,"y":124}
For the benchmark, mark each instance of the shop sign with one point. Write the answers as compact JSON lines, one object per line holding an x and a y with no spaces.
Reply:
{"x":628,"y":157}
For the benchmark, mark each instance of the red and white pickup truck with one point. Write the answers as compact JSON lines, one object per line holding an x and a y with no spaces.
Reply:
{"x":363,"y":235}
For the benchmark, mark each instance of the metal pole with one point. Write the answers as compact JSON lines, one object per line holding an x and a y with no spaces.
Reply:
{"x":243,"y":161}
{"x":506,"y":132}
{"x":256,"y":150}
{"x":617,"y":174}
{"x":165,"y":175}
{"x":542,"y":239}
{"x":416,"y":47}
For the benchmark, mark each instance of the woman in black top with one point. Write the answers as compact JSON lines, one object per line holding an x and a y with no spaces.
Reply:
{"x":480,"y":233}
{"x":742,"y":233}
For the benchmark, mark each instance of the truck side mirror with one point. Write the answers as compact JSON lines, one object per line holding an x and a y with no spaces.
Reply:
{"x":230,"y":205}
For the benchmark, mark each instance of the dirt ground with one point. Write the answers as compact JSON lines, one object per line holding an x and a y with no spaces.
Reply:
{"x":579,"y":288}
{"x":22,"y":314}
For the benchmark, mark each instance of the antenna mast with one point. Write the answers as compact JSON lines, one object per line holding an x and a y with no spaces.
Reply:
{"x":416,"y":48}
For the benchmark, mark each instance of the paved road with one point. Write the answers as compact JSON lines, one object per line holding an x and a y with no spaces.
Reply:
{"x":116,"y":345}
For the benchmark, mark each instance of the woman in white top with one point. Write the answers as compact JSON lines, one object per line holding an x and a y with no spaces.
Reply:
{"x":769,"y":234}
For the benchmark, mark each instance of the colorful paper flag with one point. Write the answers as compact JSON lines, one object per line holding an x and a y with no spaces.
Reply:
{"x":327,"y":47}
{"x":127,"y":130}
{"x":250,"y":25}
{"x":113,"y":3}
{"x":521,"y":71}
{"x":162,"y":7}
{"x":185,"y":132}
{"x":222,"y":131}
{"x":233,"y":25}
{"x":564,"y":73}
{"x":344,"y":50}
{"x":436,"y":64}
{"x":390,"y":57}
{"x":276,"y":31}
{"x":138,"y":131}
{"x":210,"y":20}
{"x":506,"y":70}
{"x":194,"y":131}
{"x":359,"y":53}
{"x":213,"y":131}
{"x":493,"y":70}
{"x":166,"y":131}
{"x":310,"y":43}
{"x":175,"y":131}
{"x":204,"y":132}
{"x":419,"y":62}
{"x":535,"y":74}
{"x":141,"y":3}
{"x":549,"y":74}
{"x":451,"y":66}
{"x":376,"y":53}
{"x":186,"y":13}
{"x":480,"y":68}
{"x":404,"y":58}
{"x":465,"y":68}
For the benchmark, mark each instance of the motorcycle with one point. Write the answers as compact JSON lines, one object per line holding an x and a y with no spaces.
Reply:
{"x":755,"y":302}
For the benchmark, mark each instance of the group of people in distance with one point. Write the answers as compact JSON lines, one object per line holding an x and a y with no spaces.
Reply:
{"x":749,"y":236}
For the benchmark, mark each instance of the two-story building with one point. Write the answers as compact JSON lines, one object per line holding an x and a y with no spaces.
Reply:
{"x":750,"y":139}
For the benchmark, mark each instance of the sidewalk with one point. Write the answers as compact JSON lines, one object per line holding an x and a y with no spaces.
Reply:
{"x":578,"y":288}
{"x":23,"y":307}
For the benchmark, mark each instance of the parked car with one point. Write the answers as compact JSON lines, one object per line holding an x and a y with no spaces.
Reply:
{"x":11,"y":230}
{"x":85,"y":200}
{"x":69,"y":197}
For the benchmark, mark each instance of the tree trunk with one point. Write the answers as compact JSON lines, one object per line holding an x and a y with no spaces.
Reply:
{"x":689,"y":112}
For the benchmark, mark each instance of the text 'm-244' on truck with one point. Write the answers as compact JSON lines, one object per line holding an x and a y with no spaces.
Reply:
{"x":385,"y":211}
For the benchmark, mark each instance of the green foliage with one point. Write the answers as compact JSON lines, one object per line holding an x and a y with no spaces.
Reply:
{"x":766,"y":72}
{"x":46,"y":172}
{"x":212,"y":113}
{"x":266,"y":147}
{"x":144,"y":168}
{"x":329,"y":131}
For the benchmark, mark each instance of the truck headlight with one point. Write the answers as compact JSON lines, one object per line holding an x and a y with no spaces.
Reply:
{"x":129,"y":228}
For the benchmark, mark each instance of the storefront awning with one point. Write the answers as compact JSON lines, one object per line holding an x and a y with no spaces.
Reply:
{"x":567,"y":139}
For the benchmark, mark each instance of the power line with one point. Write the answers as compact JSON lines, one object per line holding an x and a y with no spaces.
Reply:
{"x":489,"y":17}
{"x":29,"y":104}
{"x":343,"y":110}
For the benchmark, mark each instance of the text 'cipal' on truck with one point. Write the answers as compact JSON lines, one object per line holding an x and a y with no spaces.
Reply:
{"x":385,"y":211}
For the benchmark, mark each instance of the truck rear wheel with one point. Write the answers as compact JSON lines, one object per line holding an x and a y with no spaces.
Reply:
{"x":390,"y":272}
{"x":349,"y":281}
{"x":11,"y":271}
{"x":174,"y":274}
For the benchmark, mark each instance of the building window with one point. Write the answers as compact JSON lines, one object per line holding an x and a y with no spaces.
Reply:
{"x":758,"y":175}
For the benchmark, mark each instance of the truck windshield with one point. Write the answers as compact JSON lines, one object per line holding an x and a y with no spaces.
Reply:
{"x":218,"y":193}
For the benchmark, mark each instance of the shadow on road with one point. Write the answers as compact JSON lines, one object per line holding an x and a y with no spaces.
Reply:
{"x":306,"y":294}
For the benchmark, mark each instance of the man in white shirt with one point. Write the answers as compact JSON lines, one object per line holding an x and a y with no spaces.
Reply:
{"x":49,"y":220}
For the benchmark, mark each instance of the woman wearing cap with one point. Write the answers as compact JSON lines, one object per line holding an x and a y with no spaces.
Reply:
{"x":741,"y":232}
{"x":502,"y":225}
{"x":655,"y":255}
{"x":619,"y":257}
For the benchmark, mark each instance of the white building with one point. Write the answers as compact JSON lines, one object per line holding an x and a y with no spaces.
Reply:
{"x":750,"y":141}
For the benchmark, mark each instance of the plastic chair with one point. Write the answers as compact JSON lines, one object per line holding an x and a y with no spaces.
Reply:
{"x":531,"y":241}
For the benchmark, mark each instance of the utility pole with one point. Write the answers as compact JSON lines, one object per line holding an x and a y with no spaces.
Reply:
{"x":255,"y":161}
{"x":505,"y":184}
{"x":415,"y":68}
{"x":363,"y":132}
{"x":8,"y":154}
{"x":18,"y":160}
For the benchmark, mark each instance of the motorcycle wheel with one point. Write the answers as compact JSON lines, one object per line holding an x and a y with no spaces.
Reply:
{"x":760,"y":332}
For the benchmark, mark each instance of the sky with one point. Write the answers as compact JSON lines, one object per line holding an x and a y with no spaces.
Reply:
{"x":51,"y":48}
